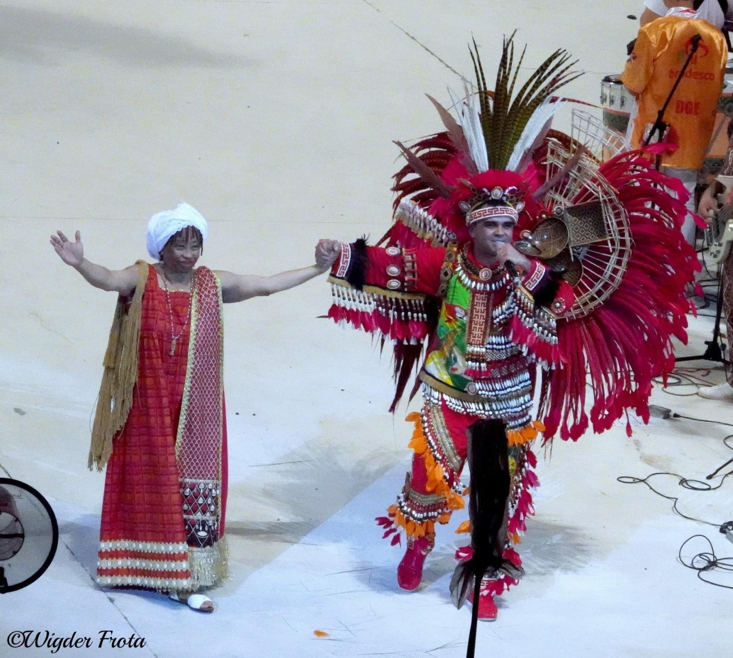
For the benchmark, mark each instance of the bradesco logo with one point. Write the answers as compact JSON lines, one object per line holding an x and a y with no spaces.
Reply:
{"x":702,"y":51}
{"x":691,"y":73}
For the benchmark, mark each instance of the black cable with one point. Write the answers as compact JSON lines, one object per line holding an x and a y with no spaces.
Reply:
{"x":725,"y":443}
{"x":682,"y":376}
{"x":705,"y":420}
{"x":687,"y":483}
{"x":687,"y":376}
{"x":706,"y":561}
{"x":682,"y":395}
{"x":705,"y":264}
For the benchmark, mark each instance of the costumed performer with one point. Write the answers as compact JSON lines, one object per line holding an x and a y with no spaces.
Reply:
{"x":600,"y":268}
{"x":497,"y":317}
{"x":160,"y":426}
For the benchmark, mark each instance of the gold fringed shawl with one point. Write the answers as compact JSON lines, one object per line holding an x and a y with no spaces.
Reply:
{"x":120,"y":373}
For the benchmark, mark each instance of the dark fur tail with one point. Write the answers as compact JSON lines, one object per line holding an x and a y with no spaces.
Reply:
{"x":488,"y":460}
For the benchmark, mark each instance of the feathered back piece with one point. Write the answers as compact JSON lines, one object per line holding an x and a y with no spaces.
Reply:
{"x":620,"y":331}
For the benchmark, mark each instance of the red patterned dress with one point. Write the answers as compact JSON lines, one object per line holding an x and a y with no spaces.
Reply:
{"x":165,"y":490}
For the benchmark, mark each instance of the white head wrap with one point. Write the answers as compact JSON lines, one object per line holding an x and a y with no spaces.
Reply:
{"x":164,"y":225}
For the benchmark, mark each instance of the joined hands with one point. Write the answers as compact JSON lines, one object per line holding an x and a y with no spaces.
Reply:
{"x":327,"y":251}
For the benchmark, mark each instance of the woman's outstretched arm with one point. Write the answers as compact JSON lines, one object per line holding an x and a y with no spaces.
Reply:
{"x":72,"y":253}
{"x":238,"y":288}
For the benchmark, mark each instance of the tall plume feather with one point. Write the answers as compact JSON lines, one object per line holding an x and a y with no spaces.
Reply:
{"x":506,"y":127}
{"x":533,"y":134}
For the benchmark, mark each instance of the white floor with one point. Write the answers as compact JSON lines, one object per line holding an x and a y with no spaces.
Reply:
{"x":275,"y":119}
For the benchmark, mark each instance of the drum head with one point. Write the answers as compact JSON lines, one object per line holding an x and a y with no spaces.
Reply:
{"x":547,"y":240}
{"x":29,"y":535}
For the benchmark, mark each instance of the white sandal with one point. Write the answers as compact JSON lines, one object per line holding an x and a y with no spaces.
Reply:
{"x":194,"y":601}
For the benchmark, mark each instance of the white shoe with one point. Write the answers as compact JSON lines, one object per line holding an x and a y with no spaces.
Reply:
{"x":198,"y":602}
{"x":722,"y":392}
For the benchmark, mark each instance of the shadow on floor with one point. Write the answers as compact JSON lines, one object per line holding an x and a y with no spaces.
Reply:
{"x":546,"y":548}
{"x":41,"y":37}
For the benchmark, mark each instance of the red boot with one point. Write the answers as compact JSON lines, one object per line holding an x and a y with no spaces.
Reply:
{"x":487,"y":610}
{"x":409,"y":571}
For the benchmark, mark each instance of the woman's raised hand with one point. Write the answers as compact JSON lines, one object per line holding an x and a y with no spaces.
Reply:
{"x":72,"y":253}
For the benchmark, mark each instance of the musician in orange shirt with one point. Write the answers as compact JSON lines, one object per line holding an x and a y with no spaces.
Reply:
{"x":660,"y":51}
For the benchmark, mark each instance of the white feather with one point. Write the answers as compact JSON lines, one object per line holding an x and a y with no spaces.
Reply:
{"x":469,"y":117}
{"x":535,"y":127}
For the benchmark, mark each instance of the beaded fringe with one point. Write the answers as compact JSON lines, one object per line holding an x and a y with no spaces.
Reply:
{"x":209,"y":566}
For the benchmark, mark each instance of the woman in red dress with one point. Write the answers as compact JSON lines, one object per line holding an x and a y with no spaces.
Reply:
{"x":160,"y":426}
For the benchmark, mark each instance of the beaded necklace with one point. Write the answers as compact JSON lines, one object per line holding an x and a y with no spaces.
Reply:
{"x":174,"y":338}
{"x":482,"y":279}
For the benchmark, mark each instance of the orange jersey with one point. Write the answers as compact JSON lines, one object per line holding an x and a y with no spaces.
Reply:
{"x":660,"y":52}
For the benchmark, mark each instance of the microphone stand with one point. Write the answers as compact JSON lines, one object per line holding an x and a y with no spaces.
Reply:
{"x":659,"y":125}
{"x":714,"y":351}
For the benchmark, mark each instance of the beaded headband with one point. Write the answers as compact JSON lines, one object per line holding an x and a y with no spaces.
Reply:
{"x":488,"y":212}
{"x":497,"y":202}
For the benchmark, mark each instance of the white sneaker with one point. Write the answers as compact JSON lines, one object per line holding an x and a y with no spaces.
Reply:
{"x":722,"y":392}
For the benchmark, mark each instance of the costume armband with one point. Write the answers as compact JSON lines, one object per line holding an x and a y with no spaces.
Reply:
{"x":546,"y":289}
{"x":541,"y":298}
{"x":374,"y":290}
{"x":351,"y":264}
{"x":534,"y":329}
{"x":344,"y":261}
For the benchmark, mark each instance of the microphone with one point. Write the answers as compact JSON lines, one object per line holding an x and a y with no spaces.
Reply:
{"x":511,"y":269}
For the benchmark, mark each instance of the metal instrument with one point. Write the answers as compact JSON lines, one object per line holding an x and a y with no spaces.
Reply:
{"x":719,"y":235}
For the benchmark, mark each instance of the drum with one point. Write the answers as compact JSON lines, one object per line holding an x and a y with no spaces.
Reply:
{"x":616,"y":102}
